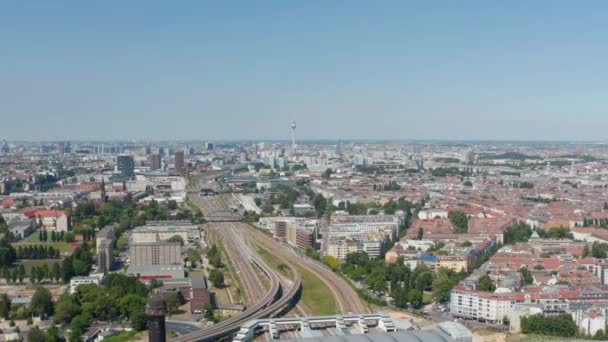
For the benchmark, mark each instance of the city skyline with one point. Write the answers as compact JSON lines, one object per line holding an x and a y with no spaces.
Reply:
{"x":469,"y":71}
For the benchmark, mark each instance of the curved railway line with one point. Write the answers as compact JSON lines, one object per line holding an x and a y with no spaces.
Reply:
{"x":264,"y":308}
{"x":273,"y":301}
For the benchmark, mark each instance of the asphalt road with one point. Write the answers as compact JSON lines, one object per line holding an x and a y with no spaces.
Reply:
{"x":181,"y":328}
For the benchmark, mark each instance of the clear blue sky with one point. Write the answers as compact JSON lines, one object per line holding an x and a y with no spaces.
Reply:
{"x":342,"y":69}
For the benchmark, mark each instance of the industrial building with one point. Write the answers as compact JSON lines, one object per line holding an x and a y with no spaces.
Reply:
{"x":350,"y":327}
{"x":164,"y":230}
{"x":155,"y":253}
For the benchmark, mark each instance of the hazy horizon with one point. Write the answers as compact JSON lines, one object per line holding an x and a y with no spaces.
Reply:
{"x":466,"y":71}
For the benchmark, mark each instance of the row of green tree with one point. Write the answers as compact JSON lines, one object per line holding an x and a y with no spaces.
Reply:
{"x":214,"y":256}
{"x":43,"y":236}
{"x":37,"y":252}
{"x":561,"y":325}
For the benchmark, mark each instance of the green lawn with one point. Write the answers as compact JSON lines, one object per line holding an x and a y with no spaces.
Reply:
{"x":316,"y":295}
{"x":274,"y":262}
{"x":427,"y":297}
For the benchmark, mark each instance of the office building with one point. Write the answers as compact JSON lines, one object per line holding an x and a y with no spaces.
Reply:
{"x":104,"y":240}
{"x":155,"y":161}
{"x":105,"y":258}
{"x":126,"y":165}
{"x":179,"y":163}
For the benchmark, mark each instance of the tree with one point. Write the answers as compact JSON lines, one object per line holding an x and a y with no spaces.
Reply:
{"x":526,"y":276}
{"x":486,"y":284}
{"x":208,"y":312}
{"x":69,"y":237}
{"x":331,"y":262}
{"x":42,"y":303}
{"x":216,"y":277}
{"x":14,"y":275}
{"x":443,"y":283}
{"x":21,"y":273}
{"x":66,"y":309}
{"x":414,"y":296}
{"x":420,"y":233}
{"x":56,"y":271}
{"x":78,"y":327}
{"x":172,"y":204}
{"x":176,"y":238}
{"x":460,"y":221}
{"x":519,"y":232}
{"x":36,"y":335}
{"x":327,"y":174}
{"x":586,"y":251}
{"x":173,"y":300}
{"x":5,"y":306}
{"x":52,"y":335}
{"x":122,"y":242}
{"x":155,"y":283}
{"x":67,"y":270}
{"x":561,"y":325}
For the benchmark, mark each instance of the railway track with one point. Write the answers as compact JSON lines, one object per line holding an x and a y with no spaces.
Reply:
{"x":347,"y":299}
{"x":273,"y":300}
{"x":243,"y":258}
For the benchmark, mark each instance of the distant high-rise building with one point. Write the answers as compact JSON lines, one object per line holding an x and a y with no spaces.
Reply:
{"x":155,"y":161}
{"x":161,"y":151}
{"x":179,"y":163}
{"x":209,"y":146}
{"x":5,"y":147}
{"x":126,"y":165}
{"x":243,"y":157}
{"x":155,"y":312}
{"x":339,"y":148}
{"x":148,"y":149}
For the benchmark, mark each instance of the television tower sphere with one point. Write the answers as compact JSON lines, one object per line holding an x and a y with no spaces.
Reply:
{"x":293,"y":125}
